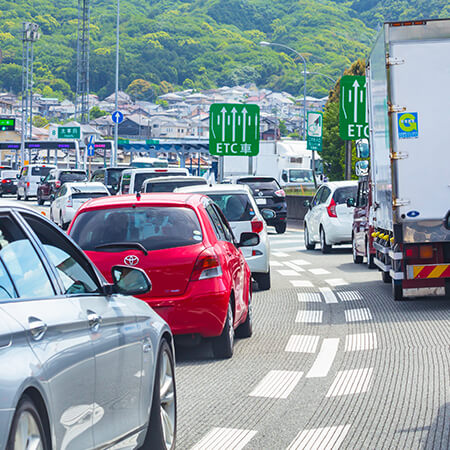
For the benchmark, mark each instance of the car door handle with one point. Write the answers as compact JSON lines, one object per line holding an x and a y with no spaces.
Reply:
{"x":94,"y":319}
{"x":37,"y":328}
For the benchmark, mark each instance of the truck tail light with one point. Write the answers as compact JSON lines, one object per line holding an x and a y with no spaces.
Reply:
{"x":57,"y":184}
{"x":69,"y":202}
{"x":426,"y":251}
{"x":331,"y":208}
{"x":206,"y":266}
{"x":257,"y":225}
{"x":412,"y":252}
{"x":280,"y":193}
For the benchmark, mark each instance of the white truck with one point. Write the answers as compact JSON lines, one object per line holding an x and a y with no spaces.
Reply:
{"x":287,"y":161}
{"x":408,"y":75}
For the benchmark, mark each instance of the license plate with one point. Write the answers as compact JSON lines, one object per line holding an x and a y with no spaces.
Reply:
{"x":261,"y":201}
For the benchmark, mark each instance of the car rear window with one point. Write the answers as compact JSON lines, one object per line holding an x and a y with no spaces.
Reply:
{"x":260,"y":183}
{"x":170,"y":186}
{"x":8,"y":174}
{"x":87,"y":192}
{"x":236,"y":207}
{"x":40,"y":171}
{"x":141,"y":177}
{"x":155,"y":228}
{"x":114,"y":176}
{"x":68,"y":176}
{"x":342,"y":194}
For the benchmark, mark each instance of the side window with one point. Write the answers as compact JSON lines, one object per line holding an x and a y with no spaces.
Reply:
{"x":6,"y":287}
{"x":220,"y":233}
{"x":325,"y":194}
{"x":224,"y":222}
{"x":61,"y":191}
{"x":316,"y":198}
{"x":22,"y":262}
{"x":75,"y":272}
{"x":125,"y":185}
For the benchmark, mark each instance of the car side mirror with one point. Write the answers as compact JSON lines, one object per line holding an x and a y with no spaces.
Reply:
{"x":249,"y":240}
{"x":284,"y":177}
{"x":17,"y":176}
{"x":307,"y":204}
{"x":268,"y":214}
{"x":351,"y":202}
{"x":130,"y":280}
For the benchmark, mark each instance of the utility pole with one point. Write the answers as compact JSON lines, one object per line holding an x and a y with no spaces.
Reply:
{"x":348,"y":160}
{"x":83,"y":48}
{"x":116,"y":98}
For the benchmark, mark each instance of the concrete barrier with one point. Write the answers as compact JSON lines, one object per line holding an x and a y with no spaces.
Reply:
{"x":296,"y":210}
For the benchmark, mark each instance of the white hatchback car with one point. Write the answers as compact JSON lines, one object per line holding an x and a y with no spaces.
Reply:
{"x":329,"y":219}
{"x":70,"y":197}
{"x":239,"y":207}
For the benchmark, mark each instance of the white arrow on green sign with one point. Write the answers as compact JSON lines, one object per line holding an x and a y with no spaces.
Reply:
{"x":314,"y":131}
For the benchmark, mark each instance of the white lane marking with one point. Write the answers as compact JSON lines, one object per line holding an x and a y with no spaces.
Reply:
{"x":319,"y":271}
{"x":336,"y":282}
{"x":277,"y":384}
{"x":279,"y":254}
{"x":326,"y":438}
{"x":301,"y":262}
{"x":290,"y":249}
{"x":302,"y":344}
{"x":305,"y":297}
{"x":309,"y":316}
{"x":301,"y":283}
{"x":358,"y":315}
{"x":294,"y":266}
{"x":276,"y":264}
{"x":363,"y":341}
{"x":328,"y":295}
{"x":288,"y":273}
{"x":349,"y":296}
{"x":225,"y":439}
{"x":355,"y":381}
{"x":286,"y":241}
{"x":325,"y":359}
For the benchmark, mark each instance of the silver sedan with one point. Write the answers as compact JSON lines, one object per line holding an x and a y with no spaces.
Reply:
{"x":83,"y":364}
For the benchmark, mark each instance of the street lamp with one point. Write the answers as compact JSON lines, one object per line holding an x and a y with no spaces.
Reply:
{"x":326,"y":76}
{"x":274,"y":44}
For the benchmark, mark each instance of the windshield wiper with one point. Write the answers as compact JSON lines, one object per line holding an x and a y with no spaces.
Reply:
{"x":130,"y":245}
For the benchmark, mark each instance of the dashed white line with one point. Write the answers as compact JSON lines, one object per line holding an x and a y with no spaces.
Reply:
{"x":301,"y":262}
{"x":301,"y":283}
{"x":288,"y":273}
{"x":349,"y":296}
{"x":277,"y":384}
{"x":363,"y":341}
{"x":305,"y":297}
{"x":225,"y":439}
{"x":358,"y":315}
{"x":325,"y":359}
{"x":336,"y":282}
{"x":309,"y":317}
{"x":286,"y":241}
{"x":319,"y":271}
{"x":302,"y":344}
{"x":294,"y":266}
{"x":279,"y":254}
{"x":328,"y":295}
{"x":355,"y":381}
{"x":276,"y":264}
{"x":326,"y":438}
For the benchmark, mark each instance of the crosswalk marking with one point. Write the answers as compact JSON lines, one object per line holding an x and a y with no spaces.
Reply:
{"x":302,"y":344}
{"x":301,"y":283}
{"x":277,"y":384}
{"x":300,"y":262}
{"x":326,"y":438}
{"x":363,"y":341}
{"x":319,"y":271}
{"x":328,"y":295}
{"x":276,"y":264}
{"x":358,"y":315}
{"x":348,"y":296}
{"x":286,"y":241}
{"x":294,"y":266}
{"x":279,"y":254}
{"x":305,"y":297}
{"x":309,"y":316}
{"x":336,"y":282}
{"x":325,"y":359}
{"x":288,"y":273}
{"x":355,"y":381}
{"x":225,"y":439}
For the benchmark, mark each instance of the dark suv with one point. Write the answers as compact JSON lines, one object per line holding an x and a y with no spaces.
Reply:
{"x":54,"y":180}
{"x":268,"y":195}
{"x":110,"y":177}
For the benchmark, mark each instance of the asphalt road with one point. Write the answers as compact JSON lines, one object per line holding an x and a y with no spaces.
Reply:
{"x":333,"y":363}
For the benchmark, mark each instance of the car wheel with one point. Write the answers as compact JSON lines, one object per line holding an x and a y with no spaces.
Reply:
{"x":263,"y":280}
{"x":280,"y":228}
{"x":162,"y":426}
{"x":27,"y":430}
{"x":308,"y":244}
{"x":245,"y":330}
{"x":370,"y":258}
{"x":40,"y":202}
{"x":357,"y":259}
{"x":18,"y":195}
{"x":397,"y":291}
{"x":326,"y":248}
{"x":385,"y":277}
{"x":223,"y":345}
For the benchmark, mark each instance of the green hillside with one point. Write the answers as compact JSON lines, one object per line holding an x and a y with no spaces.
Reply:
{"x":198,"y":43}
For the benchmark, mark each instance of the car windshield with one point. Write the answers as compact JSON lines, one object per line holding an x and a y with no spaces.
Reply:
{"x":301,"y":176}
{"x":114,"y":176}
{"x":342,"y":194}
{"x":40,"y":171}
{"x":260,"y":184}
{"x":155,"y":228}
{"x":236,"y":207}
{"x":170,"y":186}
{"x":68,"y":176}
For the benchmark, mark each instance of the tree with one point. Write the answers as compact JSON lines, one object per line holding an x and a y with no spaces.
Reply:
{"x":39,"y":121}
{"x":283,"y":129}
{"x":140,"y":89}
{"x":96,"y":112}
{"x":11,"y":77}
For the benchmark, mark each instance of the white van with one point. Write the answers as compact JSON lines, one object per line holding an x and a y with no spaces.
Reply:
{"x":132,"y":180}
{"x":29,"y":179}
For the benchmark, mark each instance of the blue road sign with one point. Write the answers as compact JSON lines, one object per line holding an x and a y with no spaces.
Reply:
{"x":90,"y":149}
{"x":117,"y":117}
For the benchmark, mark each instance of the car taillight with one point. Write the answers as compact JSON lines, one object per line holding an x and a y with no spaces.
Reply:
{"x":4,"y":181}
{"x":69,"y":202}
{"x":257,"y":225}
{"x":280,"y":193}
{"x":206,"y":266}
{"x":28,"y":184}
{"x":57,"y":184}
{"x":331,"y":208}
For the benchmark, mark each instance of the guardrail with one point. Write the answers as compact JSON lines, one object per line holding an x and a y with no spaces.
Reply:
{"x":296,"y":210}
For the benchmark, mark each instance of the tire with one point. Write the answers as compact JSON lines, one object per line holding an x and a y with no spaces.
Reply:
{"x":308,"y":245}
{"x":27,"y":417}
{"x":40,"y":202}
{"x":25,"y":196}
{"x":245,"y":330}
{"x":161,"y":434}
{"x":370,"y":261}
{"x":397,"y":291}
{"x":263,"y":280}
{"x":357,"y":259}
{"x":280,"y":227}
{"x":223,"y":345}
{"x":326,"y":248}
{"x":385,"y":277}
{"x":51,"y":215}
{"x":18,"y":196}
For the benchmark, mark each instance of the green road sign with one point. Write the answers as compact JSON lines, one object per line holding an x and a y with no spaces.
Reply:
{"x":68,"y":132}
{"x":314,"y":131}
{"x":353,"y":122}
{"x":7,"y":124}
{"x":234,"y":129}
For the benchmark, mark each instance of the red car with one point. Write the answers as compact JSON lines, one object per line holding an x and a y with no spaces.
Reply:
{"x":201,"y":282}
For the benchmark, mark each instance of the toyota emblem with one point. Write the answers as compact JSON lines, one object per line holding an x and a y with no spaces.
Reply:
{"x":131,"y":260}
{"x":260,"y":194}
